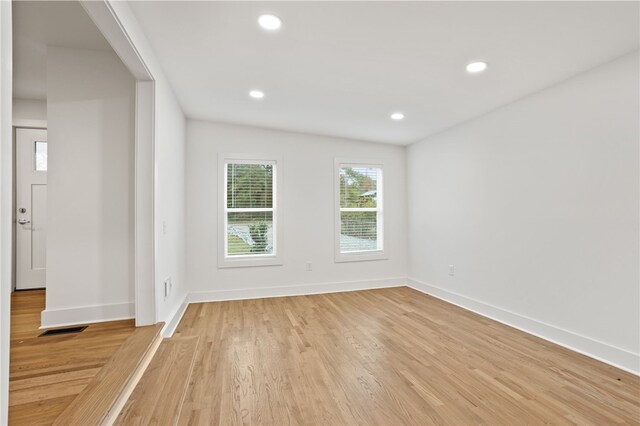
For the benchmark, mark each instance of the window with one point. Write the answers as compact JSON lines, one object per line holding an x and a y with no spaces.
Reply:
{"x":40,"y":156}
{"x":249,"y":212}
{"x":359,"y":211}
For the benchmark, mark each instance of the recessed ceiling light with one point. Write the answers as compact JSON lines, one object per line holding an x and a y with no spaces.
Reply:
{"x":475,"y":67}
{"x":269,"y":22}
{"x":256,"y":94}
{"x":397,"y":116}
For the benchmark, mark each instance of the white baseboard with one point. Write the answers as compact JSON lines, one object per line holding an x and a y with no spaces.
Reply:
{"x":261,"y":293}
{"x":174,"y":319}
{"x":296,"y":290}
{"x":604,"y":352}
{"x":86,"y":315}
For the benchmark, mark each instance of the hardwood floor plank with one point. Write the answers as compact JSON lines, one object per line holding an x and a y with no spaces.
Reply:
{"x":92,"y":405}
{"x":47,"y":373}
{"x":158,"y":397}
{"x":388,"y":356}
{"x":43,"y":412}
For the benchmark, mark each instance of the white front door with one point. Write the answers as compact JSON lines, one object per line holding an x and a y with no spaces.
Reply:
{"x":31,"y":205}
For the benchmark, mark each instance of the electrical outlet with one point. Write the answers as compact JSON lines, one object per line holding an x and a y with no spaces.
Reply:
{"x":452,"y":270}
{"x":164,"y":227}
{"x":309,"y":268}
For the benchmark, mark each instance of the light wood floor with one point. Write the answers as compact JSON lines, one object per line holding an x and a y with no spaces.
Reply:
{"x":47,"y":373}
{"x":159,"y":395}
{"x":387,"y":357}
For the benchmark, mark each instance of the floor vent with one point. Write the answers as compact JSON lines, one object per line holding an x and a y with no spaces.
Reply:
{"x":67,"y":330}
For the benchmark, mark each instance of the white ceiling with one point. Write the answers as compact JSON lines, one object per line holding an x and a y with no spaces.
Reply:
{"x":341,"y":68}
{"x":37,"y":24}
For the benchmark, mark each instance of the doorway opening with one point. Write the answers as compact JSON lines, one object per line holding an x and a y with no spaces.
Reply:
{"x":73,"y":177}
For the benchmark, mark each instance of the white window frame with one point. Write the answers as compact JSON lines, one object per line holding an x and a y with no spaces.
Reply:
{"x":367,"y":255}
{"x":249,"y":260}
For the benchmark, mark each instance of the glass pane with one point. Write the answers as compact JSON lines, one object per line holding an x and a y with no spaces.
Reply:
{"x":249,"y":185}
{"x":249,"y":233}
{"x":358,"y":231}
{"x":359,"y":186}
{"x":41,"y":156}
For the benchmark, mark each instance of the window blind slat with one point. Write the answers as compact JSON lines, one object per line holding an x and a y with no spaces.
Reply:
{"x":359,"y":208}
{"x":358,"y":231}
{"x":249,"y":208}
{"x":358,"y":186}
{"x":249,"y":185}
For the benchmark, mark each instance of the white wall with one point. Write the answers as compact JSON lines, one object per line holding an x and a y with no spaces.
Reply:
{"x":90,"y":110}
{"x":308,"y":172}
{"x":169,"y":201}
{"x":537,"y":206}
{"x":6,"y":207}
{"x":169,"y":194}
{"x":29,"y":113}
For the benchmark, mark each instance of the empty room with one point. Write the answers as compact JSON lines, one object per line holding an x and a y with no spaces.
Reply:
{"x":319,"y":213}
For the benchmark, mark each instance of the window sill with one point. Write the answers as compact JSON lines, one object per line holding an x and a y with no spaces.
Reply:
{"x":361,"y":256}
{"x":248,"y":263}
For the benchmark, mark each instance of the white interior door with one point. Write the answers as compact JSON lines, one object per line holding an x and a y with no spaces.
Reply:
{"x":31,"y":204}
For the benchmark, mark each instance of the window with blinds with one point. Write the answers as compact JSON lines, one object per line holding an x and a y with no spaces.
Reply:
{"x":249,"y":208}
{"x":360,"y":209}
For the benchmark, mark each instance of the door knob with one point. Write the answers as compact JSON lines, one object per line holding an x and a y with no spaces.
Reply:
{"x":24,"y":221}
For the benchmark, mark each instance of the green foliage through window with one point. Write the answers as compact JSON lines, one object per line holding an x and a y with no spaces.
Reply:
{"x":249,"y":185}
{"x":359,"y":190}
{"x":249,"y":204}
{"x":358,"y":187}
